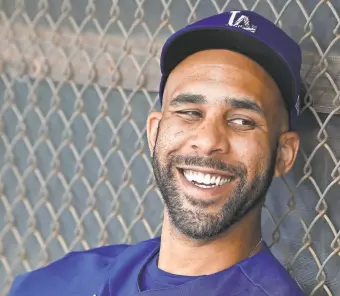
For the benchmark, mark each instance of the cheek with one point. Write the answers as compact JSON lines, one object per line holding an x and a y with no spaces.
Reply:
{"x":253,"y":152}
{"x":171,"y":136}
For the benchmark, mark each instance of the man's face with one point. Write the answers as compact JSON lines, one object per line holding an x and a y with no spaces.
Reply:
{"x":216,"y":143}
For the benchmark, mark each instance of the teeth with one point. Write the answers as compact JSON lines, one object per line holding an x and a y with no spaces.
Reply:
{"x":218,"y":180}
{"x":200,"y":178}
{"x":188,"y":176}
{"x":205,"y":186}
{"x":205,"y":180}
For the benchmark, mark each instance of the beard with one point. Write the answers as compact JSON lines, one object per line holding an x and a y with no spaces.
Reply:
{"x":197,"y":223}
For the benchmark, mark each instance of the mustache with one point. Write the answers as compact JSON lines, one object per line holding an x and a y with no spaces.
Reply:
{"x":207,"y":162}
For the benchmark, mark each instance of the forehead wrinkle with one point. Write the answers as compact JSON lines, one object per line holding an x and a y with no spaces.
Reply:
{"x":181,"y":75}
{"x":184,"y":86}
{"x":223,"y":59}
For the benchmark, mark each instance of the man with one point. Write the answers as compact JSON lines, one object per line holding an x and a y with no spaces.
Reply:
{"x":230,"y":101}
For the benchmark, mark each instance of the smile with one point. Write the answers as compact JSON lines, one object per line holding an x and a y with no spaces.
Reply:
{"x":205,"y":180}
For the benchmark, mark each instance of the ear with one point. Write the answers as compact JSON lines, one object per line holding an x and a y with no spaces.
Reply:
{"x":152,"y":125}
{"x":288,"y":148}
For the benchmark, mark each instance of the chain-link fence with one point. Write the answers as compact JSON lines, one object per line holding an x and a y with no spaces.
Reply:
{"x":77,"y":81}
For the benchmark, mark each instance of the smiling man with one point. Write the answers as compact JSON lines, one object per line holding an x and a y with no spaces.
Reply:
{"x":230,"y":98}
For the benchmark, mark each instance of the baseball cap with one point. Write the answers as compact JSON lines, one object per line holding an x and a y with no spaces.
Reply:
{"x":250,"y":34}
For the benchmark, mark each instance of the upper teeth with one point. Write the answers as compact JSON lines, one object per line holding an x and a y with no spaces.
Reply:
{"x":207,"y":179}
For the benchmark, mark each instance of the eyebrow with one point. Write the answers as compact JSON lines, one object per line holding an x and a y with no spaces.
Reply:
{"x":235,"y":103}
{"x":245,"y":103}
{"x":188,"y":98}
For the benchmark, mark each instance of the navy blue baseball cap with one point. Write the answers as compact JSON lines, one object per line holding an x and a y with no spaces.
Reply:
{"x":250,"y":34}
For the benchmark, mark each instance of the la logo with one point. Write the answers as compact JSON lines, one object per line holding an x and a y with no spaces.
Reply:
{"x":241,"y":21}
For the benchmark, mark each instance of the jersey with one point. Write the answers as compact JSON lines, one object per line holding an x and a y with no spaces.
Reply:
{"x":118,"y":271}
{"x":155,"y":278}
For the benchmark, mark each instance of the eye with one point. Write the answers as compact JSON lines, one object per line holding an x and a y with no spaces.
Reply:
{"x":242,"y":123}
{"x":190,"y":114}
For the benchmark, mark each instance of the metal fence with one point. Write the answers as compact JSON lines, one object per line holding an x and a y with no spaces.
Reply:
{"x":77,"y":80}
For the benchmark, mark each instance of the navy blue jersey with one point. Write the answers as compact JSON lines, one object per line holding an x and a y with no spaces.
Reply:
{"x":154,"y":278}
{"x":119,"y":271}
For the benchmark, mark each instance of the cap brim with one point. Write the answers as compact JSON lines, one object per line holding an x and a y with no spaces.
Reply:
{"x":188,"y":42}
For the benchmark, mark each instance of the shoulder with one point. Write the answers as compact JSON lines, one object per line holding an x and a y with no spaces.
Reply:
{"x":75,"y":270}
{"x":266,"y":273}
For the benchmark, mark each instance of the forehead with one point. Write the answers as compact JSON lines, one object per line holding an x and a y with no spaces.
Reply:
{"x":220,"y":73}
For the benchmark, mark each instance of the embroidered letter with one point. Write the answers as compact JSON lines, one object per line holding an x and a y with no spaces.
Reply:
{"x":242,"y":22}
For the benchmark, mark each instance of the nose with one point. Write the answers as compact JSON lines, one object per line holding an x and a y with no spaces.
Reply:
{"x":210,"y":138}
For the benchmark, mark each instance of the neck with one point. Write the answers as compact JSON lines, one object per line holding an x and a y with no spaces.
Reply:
{"x":184,"y":256}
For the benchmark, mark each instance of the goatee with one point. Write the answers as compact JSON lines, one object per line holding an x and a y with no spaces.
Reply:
{"x":196,"y":222}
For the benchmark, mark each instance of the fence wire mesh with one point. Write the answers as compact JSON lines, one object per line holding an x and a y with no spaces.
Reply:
{"x":77,"y":80}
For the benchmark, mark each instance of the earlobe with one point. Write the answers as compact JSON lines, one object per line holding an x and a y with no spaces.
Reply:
{"x":152,"y":125}
{"x":288,"y":148}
